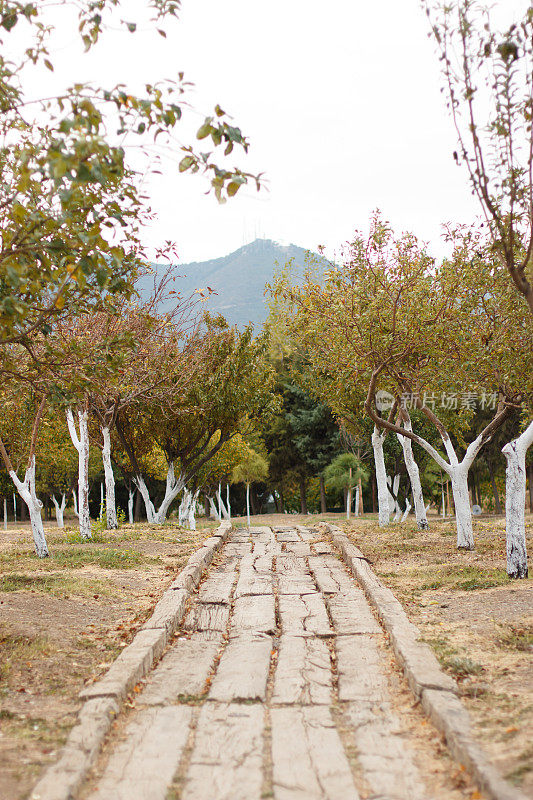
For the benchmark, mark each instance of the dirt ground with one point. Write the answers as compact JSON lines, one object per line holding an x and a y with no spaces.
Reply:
{"x":62,"y":622}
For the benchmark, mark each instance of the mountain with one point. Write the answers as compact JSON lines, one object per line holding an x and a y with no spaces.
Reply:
{"x":238,"y":279}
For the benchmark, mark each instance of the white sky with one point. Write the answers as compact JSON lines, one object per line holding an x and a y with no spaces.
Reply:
{"x":341,"y":102}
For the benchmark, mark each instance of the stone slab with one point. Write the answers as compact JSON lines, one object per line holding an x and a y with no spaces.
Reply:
{"x":308,"y":758}
{"x":384,"y":754}
{"x":255,"y":614}
{"x":226,"y":762}
{"x":330,"y":575}
{"x":143,"y":763}
{"x":207,"y":617}
{"x":298,"y":548}
{"x":184,"y":670}
{"x":304,"y":615}
{"x":243,"y":670}
{"x":217,"y":588}
{"x":168,"y":611}
{"x":303,"y":671}
{"x":351,"y":613}
{"x":359,"y":669}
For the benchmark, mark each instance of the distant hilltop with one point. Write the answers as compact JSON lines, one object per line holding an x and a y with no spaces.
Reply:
{"x":238,"y":279}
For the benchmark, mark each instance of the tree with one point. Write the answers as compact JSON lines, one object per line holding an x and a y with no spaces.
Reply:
{"x":489,"y":83}
{"x":345,"y":473}
{"x":229,"y":391}
{"x":252,"y":467}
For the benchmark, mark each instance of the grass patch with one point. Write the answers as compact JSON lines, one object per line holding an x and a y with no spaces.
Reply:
{"x":461,"y":667}
{"x":15,"y":648}
{"x":106,"y":558}
{"x":461,"y":578}
{"x":55,"y":585}
{"x":515,"y":637}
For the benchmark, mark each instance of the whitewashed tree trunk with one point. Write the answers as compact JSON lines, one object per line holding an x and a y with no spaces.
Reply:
{"x":408,"y":508}
{"x":356,"y":503}
{"x":145,"y":494}
{"x":75,"y":501}
{"x":463,"y":512}
{"x":515,"y":499}
{"x":228,"y":506}
{"x":348,"y":502}
{"x":101,"y":512}
{"x":381,"y":477}
{"x":5,"y":514}
{"x":110,"y":502}
{"x":414,"y":477}
{"x":192,"y":510}
{"x":223,"y":511}
{"x":60,"y":508}
{"x":81,"y":443}
{"x":183,"y":510}
{"x":14,"y":508}
{"x":131,"y":496}
{"x":248,"y":502}
{"x":394,"y":501}
{"x":213,"y":512}
{"x":173,"y":488}
{"x":26,"y":490}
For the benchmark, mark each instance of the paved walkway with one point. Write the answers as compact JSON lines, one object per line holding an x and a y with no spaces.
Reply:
{"x":274,"y":687}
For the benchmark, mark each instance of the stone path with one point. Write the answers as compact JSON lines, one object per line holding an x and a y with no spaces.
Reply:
{"x":273,"y":687}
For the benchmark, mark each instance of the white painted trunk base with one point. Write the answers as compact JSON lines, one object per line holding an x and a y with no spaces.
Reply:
{"x":26,"y":490}
{"x":515,"y":499}
{"x":60,"y":508}
{"x":173,"y":488}
{"x":381,"y":477}
{"x":463,"y":512}
{"x":414,"y":477}
{"x":81,"y":443}
{"x":110,"y":503}
{"x":131,"y":496}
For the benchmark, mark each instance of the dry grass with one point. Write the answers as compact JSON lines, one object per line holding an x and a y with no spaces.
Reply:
{"x":478,"y":621}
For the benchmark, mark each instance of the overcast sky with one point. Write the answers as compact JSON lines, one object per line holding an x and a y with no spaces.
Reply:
{"x":341,"y":102}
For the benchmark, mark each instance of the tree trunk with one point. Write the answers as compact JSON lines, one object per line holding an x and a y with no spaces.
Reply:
{"x":110,"y":504}
{"x":138,"y":505}
{"x":5,"y":514}
{"x":414,"y":477}
{"x":183,"y":510}
{"x":81,"y":443}
{"x":248,"y":503}
{"x":497,"y":504}
{"x":303,"y":498}
{"x":15,"y":507}
{"x":172,"y":489}
{"x":407,"y":510}
{"x":381,"y":477}
{"x":361,"y":506}
{"x":530,"y":472}
{"x":131,"y":495}
{"x":394,"y":496}
{"x":223,"y":511}
{"x":515,"y":499}
{"x":26,"y":490}
{"x":323,"y":504}
{"x":228,"y":504}
{"x":213,"y":510}
{"x":463,"y":513}
{"x":60,"y":508}
{"x":192,"y":511}
{"x":356,"y":502}
{"x":348,"y":501}
{"x":253,"y":500}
